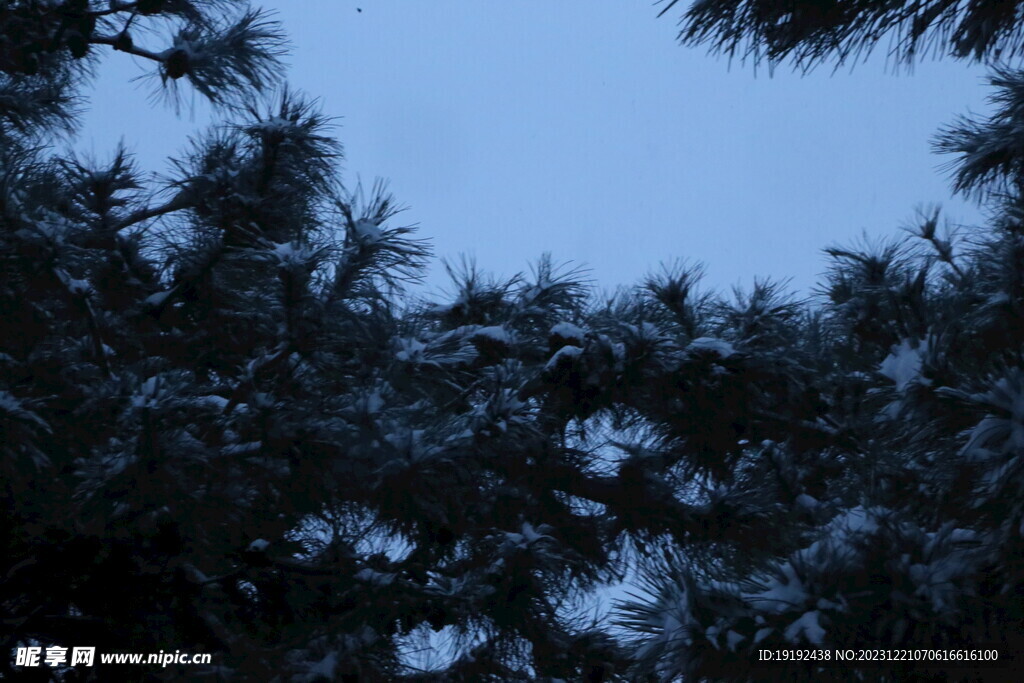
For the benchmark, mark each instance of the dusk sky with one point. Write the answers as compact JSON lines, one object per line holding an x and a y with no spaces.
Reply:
{"x":585,"y":130}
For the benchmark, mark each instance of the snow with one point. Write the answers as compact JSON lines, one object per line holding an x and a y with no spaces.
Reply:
{"x":712,"y":632}
{"x":903,"y":364}
{"x":179,"y":44}
{"x":1007,"y":395}
{"x":194,"y":572}
{"x":858,"y":520}
{"x":275,"y":124}
{"x":515,"y":540}
{"x":79,"y":287}
{"x":806,"y":628}
{"x":259,"y":545}
{"x":324,"y":669}
{"x":784,"y":589}
{"x":157,"y":300}
{"x":723,"y":348}
{"x":453,"y":586}
{"x":368,"y":230}
{"x":291,"y":253}
{"x":495,"y":333}
{"x":568,"y":352}
{"x":782,"y":593}
{"x":374,"y":402}
{"x":411,"y":350}
{"x":998,"y":433}
{"x":809,"y":502}
{"x":410,"y":443}
{"x":214,"y":401}
{"x":569,"y":331}
{"x":530,"y":534}
{"x":527,"y":536}
{"x":448,"y":348}
{"x":963,"y":536}
{"x":10,"y":404}
{"x":147,"y":393}
{"x":837,"y":533}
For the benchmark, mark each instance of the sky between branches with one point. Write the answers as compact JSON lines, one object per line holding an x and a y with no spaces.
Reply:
{"x":584,"y":129}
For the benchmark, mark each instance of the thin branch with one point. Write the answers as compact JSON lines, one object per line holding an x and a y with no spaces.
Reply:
{"x":177,"y":204}
{"x":120,"y":46}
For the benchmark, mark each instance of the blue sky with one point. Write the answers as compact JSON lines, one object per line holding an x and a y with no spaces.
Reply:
{"x":583,"y":129}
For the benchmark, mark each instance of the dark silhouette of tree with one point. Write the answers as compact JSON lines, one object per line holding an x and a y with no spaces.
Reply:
{"x":225,"y":430}
{"x":810,"y":32}
{"x":226,"y":427}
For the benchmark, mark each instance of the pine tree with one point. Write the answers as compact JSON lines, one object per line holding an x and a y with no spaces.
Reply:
{"x":894,"y":514}
{"x":227,"y":427}
{"x":226,"y":430}
{"x":810,"y":32}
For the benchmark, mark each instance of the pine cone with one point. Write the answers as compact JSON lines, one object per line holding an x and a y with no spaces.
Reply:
{"x":177,"y":64}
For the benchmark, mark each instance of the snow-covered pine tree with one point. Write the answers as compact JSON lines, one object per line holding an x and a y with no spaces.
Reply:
{"x":226,"y":429}
{"x":895,"y":511}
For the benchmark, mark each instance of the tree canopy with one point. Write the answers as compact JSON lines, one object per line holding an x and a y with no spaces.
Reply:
{"x":810,"y":32}
{"x":227,"y":427}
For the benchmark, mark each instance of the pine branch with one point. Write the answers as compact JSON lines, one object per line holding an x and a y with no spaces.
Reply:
{"x":119,"y":44}
{"x":180,"y":202}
